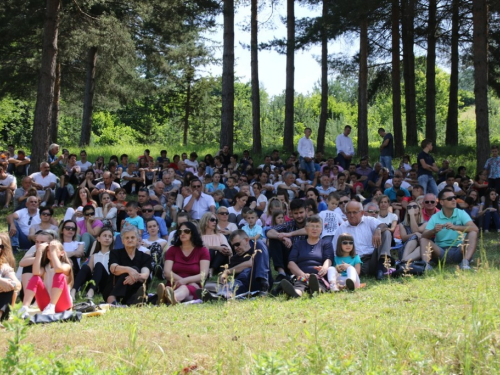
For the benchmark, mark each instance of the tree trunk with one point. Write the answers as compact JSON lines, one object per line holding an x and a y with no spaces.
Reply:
{"x":227,"y":117}
{"x":88,"y":100}
{"x":54,"y":124}
{"x":480,"y":48}
{"x":45,"y":91}
{"x":408,"y":39}
{"x":257,"y":141}
{"x":320,"y":143}
{"x":452,"y":120}
{"x":363,"y":89}
{"x":430,"y":77}
{"x":396,"y":83}
{"x":187,"y":108}
{"x":290,"y":71}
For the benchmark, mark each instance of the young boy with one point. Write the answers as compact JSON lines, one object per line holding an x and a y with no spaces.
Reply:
{"x":331,"y":218}
{"x":230,"y":192}
{"x":253,"y":230}
{"x":133,"y":219}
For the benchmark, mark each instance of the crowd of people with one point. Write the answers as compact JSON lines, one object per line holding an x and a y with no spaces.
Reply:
{"x":321,"y":222}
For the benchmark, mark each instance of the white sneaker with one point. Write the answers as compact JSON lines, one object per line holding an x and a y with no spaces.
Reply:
{"x":334,"y":287}
{"x":464,"y":265}
{"x":50,"y":309}
{"x":23,"y":311}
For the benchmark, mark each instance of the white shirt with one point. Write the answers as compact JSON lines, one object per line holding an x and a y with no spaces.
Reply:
{"x":102,"y":258}
{"x":404,"y":184}
{"x":24,"y":219}
{"x":84,"y":166}
{"x":344,"y":144}
{"x":442,"y":185}
{"x":331,"y":221}
{"x":362,"y":234}
{"x":9,"y":179}
{"x":305,"y":148}
{"x":192,"y":164}
{"x":200,"y":206}
{"x":44,"y":181}
{"x":388,"y":219}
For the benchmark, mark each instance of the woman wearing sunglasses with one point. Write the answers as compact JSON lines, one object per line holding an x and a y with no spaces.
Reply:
{"x":224,"y":226}
{"x":215,"y":242}
{"x":186,"y":266}
{"x":74,"y":249}
{"x":89,"y":227}
{"x":411,"y":230}
{"x":46,"y":214}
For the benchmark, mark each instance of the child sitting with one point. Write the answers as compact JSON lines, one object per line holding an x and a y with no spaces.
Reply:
{"x":252,"y":229}
{"x":347,"y":265}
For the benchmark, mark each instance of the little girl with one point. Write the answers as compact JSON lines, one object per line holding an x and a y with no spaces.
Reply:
{"x":99,"y":167}
{"x":52,"y":274}
{"x":347,"y":265}
{"x":278,"y":218}
{"x":491,"y":210}
{"x":97,"y":267}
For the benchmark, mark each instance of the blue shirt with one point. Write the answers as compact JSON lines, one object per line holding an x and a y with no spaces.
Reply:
{"x":163,"y":228}
{"x":448,"y":237}
{"x":308,"y":256}
{"x":348,"y":260}
{"x":137,"y":222}
{"x":391,"y":193}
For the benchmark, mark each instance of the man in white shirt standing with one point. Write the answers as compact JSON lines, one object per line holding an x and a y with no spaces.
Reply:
{"x":45,"y":183}
{"x":305,"y":148}
{"x":345,"y":148}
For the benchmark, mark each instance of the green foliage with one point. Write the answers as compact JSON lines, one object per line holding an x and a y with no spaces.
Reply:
{"x":16,"y":121}
{"x":107,"y":131}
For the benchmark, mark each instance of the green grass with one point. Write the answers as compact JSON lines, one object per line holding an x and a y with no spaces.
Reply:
{"x":445,"y":322}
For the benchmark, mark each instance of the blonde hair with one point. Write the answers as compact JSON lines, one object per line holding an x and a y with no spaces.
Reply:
{"x":204,"y":223}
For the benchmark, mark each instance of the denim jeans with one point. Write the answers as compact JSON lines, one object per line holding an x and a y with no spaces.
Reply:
{"x":308,"y":166}
{"x":488,"y":216}
{"x":386,"y":162}
{"x":20,"y":239}
{"x":428,"y":183}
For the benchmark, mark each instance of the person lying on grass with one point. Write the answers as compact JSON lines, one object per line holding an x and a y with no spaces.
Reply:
{"x":52,"y":278}
{"x":309,"y":261}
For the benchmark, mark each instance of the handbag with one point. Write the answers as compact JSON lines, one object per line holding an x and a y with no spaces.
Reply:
{"x":416,"y":268}
{"x":65,"y":316}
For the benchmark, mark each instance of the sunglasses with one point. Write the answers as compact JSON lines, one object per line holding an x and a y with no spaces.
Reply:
{"x":430,"y":202}
{"x":185,"y":231}
{"x":347,"y":242}
{"x":236,"y":244}
{"x":148,"y":210}
{"x":223,"y":213}
{"x":452,"y":198}
{"x":343,"y":202}
{"x":90,"y":214}
{"x":373,"y":211}
{"x":46,"y":214}
{"x":213,"y":220}
{"x":70,"y":228}
{"x":412,"y":206}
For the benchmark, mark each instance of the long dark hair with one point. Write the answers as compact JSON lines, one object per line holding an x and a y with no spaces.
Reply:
{"x":488,"y":202}
{"x":63,"y":258}
{"x":98,"y":244}
{"x":345,"y":237}
{"x":195,"y":235}
{"x":61,"y":228}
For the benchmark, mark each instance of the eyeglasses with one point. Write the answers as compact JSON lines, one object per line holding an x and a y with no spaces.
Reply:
{"x":236,"y":244}
{"x":213,"y":220}
{"x":412,"y":206}
{"x":452,"y":198}
{"x":223,"y":213}
{"x":90,"y":214}
{"x":347,"y":242}
{"x":46,"y":214}
{"x":147,"y":210}
{"x":352,"y":212}
{"x":373,"y":211}
{"x":70,"y":228}
{"x":430,"y":202}
{"x":185,"y":231}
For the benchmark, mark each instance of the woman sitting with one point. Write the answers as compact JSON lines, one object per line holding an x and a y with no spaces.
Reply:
{"x":129,"y":269}
{"x":52,"y":278}
{"x":155,"y":244}
{"x":215,"y":242}
{"x":108,"y":212}
{"x":69,"y":176}
{"x":74,"y":249}
{"x":240,"y":200}
{"x":411,"y":230}
{"x":186,"y":266}
{"x":46,"y":214}
{"x":224,"y":226}
{"x":96,"y":270}
{"x":82,"y":198}
{"x":9,"y":284}
{"x":309,"y":261}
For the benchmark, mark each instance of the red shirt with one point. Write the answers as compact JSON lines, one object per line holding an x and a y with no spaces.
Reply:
{"x":428,"y":217}
{"x":187,"y":266}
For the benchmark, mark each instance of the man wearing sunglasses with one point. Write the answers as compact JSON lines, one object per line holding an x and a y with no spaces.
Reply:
{"x":447,"y":227}
{"x":148,"y":213}
{"x":20,"y":223}
{"x":430,"y":206}
{"x":198,"y":202}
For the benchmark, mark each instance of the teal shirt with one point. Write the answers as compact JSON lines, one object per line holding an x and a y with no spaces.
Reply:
{"x":448,"y":237}
{"x":137,"y":222}
{"x":348,"y":260}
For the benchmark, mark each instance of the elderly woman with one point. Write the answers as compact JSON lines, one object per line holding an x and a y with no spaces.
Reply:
{"x":129,"y":269}
{"x":186,"y":266}
{"x":215,"y":242}
{"x":411,"y":230}
{"x":309,"y":261}
{"x":9,"y":284}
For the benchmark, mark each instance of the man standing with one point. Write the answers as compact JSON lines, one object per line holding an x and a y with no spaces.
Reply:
{"x":20,"y":223}
{"x":305,"y":148}
{"x":372,"y":240}
{"x":345,"y":148}
{"x":426,"y":166}
{"x":446,"y":227}
{"x":45,"y":183}
{"x":493,"y":167}
{"x":7,"y":186}
{"x":386,"y":149}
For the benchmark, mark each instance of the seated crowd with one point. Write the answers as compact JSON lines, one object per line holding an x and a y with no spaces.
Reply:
{"x":185,"y":221}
